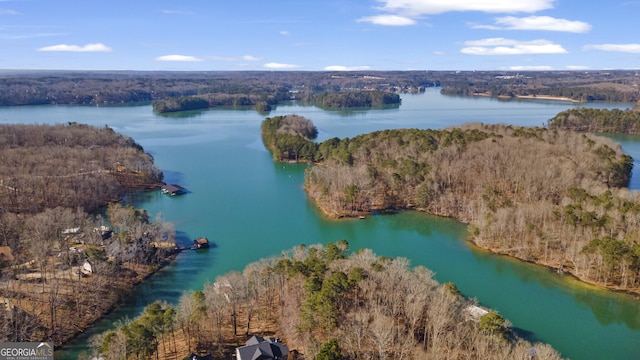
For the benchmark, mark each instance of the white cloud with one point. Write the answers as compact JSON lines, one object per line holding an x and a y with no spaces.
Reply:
{"x":576,"y":67}
{"x":439,"y":53}
{"x":8,"y":12}
{"x":96,"y":47}
{"x":284,"y":33}
{"x":413,"y":8}
{"x":530,"y":68}
{"x":501,"y":46}
{"x":345,"y":68}
{"x":250,"y":58}
{"x":628,"y":48}
{"x":182,"y":58}
{"x":388,"y":20}
{"x":546,"y":23}
{"x":275,"y":66}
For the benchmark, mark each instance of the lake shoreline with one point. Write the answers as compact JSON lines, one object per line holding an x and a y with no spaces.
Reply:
{"x":126,"y":291}
{"x":560,"y":270}
{"x":531,"y":97}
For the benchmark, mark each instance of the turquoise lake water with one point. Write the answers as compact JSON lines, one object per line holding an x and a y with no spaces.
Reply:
{"x":251,"y":208}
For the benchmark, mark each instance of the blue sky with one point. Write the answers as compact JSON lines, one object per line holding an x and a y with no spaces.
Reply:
{"x":320,"y":35}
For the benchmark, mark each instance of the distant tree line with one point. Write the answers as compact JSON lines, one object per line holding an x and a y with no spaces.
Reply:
{"x":614,"y":86}
{"x":598,"y":120}
{"x":324,"y":303}
{"x":515,"y":186}
{"x":100,"y":88}
{"x":63,"y":264}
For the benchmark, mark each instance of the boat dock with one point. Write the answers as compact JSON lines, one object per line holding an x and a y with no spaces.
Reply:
{"x":173,"y":189}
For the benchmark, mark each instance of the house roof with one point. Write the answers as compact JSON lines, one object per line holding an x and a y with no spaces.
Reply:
{"x":202,"y":240}
{"x":259,"y":348}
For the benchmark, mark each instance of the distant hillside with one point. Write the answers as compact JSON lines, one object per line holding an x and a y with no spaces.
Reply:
{"x":117,"y":87}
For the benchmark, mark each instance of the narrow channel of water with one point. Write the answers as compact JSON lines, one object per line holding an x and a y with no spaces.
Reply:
{"x":252,"y":208}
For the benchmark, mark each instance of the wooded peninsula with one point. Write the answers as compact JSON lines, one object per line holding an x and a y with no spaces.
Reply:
{"x":327,"y":303}
{"x":548,"y":196}
{"x":598,"y":120}
{"x":63,"y":264}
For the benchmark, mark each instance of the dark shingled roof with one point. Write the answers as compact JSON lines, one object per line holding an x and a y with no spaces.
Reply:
{"x":259,"y":348}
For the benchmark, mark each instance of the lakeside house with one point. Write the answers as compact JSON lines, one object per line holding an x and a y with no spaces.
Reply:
{"x":87,"y":267}
{"x":173,"y":189}
{"x":200,"y":243}
{"x":259,"y":348}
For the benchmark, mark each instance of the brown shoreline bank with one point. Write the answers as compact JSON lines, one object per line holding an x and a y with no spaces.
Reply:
{"x":556,"y":268}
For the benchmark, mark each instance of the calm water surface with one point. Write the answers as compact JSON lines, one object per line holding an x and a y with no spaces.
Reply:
{"x":252,"y":208}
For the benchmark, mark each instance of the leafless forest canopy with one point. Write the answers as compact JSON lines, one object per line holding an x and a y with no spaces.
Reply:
{"x":72,"y":165}
{"x":548,"y":196}
{"x":62,"y":264}
{"x":326,"y":303}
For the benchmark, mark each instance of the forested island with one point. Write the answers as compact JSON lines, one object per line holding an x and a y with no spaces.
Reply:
{"x":260,"y":100}
{"x":63,"y":265}
{"x":548,"y":196}
{"x":264,"y":102}
{"x":323,"y":303}
{"x":351,"y":99}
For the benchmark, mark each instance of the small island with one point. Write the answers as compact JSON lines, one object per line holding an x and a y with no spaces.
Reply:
{"x":353,"y":99}
{"x":259,"y":98}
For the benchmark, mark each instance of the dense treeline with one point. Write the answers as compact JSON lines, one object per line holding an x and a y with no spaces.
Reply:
{"x":598,"y":120}
{"x":349,"y":99}
{"x":62,"y":265}
{"x":325,"y":303}
{"x":70,"y":165}
{"x":98,"y":88}
{"x":615,"y":86}
{"x":288,"y":137}
{"x":514,"y":186}
{"x":262,"y":101}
